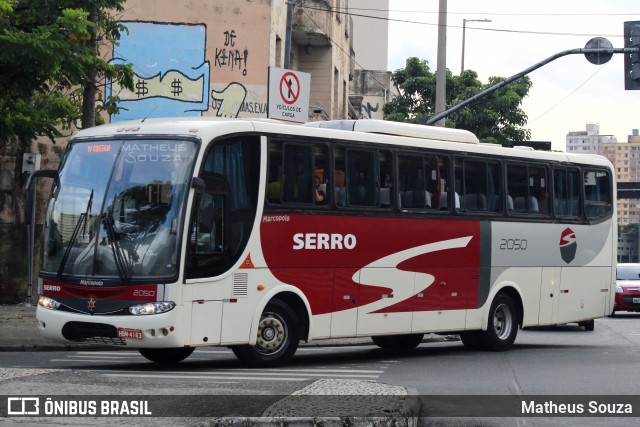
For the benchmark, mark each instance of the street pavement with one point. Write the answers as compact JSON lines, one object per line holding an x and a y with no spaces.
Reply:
{"x":19,"y":332}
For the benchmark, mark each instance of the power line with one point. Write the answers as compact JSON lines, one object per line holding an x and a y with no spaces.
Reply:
{"x":488,"y":13}
{"x":340,"y":47}
{"x":405,"y":21}
{"x":566,"y":97}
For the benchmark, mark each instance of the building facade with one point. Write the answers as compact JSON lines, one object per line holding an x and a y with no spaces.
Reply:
{"x":211,"y":57}
{"x":625,"y":157}
{"x":588,"y":141}
{"x":371,"y":86}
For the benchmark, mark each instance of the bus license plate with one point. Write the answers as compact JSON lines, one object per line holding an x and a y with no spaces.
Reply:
{"x":636,"y":300}
{"x":132,"y":334}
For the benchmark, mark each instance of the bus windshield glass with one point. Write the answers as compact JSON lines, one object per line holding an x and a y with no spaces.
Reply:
{"x":116,"y":210}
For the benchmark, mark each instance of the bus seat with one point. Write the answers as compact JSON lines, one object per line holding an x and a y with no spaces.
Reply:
{"x":509,"y":203}
{"x":416,"y":199}
{"x":475,"y":202}
{"x":526,"y":204}
{"x":385,"y":197}
{"x":444,"y":201}
{"x":406,"y":199}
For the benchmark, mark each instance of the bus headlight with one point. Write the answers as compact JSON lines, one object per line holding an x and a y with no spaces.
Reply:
{"x":152,"y":308}
{"x":618,"y":289}
{"x":48,"y":303}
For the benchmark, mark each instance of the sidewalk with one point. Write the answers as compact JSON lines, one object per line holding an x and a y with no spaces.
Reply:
{"x":19,"y":332}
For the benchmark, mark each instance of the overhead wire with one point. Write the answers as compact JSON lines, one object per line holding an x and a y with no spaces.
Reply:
{"x":405,"y":21}
{"x":384,"y":86}
{"x":566,"y":97}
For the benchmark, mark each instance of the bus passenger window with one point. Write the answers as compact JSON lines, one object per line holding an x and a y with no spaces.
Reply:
{"x":366,"y":173}
{"x":421,"y":180}
{"x":479,"y":182}
{"x":527,"y":189}
{"x":597,"y":194}
{"x":566,"y":193}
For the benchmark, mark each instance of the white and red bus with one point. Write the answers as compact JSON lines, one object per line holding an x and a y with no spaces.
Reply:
{"x":167,"y":235}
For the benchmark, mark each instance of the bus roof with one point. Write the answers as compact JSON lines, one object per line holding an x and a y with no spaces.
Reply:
{"x":399,"y":129}
{"x":407,"y":134}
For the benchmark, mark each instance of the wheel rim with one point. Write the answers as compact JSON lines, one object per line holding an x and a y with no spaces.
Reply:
{"x":272,"y":334}
{"x":502,"y":321}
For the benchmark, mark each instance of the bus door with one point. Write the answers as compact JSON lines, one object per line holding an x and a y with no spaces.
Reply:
{"x":549,"y":295}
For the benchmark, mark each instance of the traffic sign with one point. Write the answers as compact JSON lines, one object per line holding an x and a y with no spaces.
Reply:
{"x":289,"y":95}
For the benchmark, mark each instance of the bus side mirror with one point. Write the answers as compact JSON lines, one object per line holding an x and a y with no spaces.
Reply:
{"x":31,"y":191}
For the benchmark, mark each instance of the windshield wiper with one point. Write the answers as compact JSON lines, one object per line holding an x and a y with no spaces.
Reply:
{"x":76,"y":229}
{"x":119,"y":258}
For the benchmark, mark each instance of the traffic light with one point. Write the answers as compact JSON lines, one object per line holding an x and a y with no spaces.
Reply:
{"x":632,"y":60}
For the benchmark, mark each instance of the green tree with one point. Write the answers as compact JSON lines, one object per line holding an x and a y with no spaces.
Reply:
{"x":48,"y":56}
{"x":496,"y":118}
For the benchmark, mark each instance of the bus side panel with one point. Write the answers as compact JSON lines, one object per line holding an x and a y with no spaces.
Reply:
{"x":206,"y":322}
{"x":527,"y":280}
{"x":583,"y":293}
{"x":549,"y":295}
{"x":344,"y":313}
{"x":374,"y":321}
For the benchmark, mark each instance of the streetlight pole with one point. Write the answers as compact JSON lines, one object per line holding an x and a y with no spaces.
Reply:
{"x":464,"y":29}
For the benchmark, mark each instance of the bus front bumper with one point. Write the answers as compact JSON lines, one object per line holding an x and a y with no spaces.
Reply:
{"x":165,"y":330}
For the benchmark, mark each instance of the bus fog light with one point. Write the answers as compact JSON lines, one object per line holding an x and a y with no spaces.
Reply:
{"x":152,"y":308}
{"x":48,"y":303}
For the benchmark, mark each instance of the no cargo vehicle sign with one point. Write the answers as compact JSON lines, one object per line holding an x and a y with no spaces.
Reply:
{"x":289,"y":95}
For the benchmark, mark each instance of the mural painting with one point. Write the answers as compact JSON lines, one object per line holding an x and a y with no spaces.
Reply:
{"x":174,"y":77}
{"x":171,"y":72}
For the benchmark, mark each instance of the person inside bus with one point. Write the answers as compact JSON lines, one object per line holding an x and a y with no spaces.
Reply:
{"x":319,"y":194}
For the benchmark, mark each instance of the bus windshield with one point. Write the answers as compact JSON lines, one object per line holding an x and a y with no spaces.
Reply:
{"x":116,"y":210}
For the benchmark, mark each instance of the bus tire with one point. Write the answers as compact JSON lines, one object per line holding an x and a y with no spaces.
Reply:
{"x":278,"y":338}
{"x":472,"y":340}
{"x":589,"y":325}
{"x":166,"y":355}
{"x":398,"y":342}
{"x":502,"y":327}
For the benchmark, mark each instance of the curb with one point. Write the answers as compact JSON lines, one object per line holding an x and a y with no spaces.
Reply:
{"x":97,"y":347}
{"x":389,"y":414}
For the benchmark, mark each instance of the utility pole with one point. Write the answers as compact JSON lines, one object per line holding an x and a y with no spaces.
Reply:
{"x":441,"y":72}
{"x":287,"y":39}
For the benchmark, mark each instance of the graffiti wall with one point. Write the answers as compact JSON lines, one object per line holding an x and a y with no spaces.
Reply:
{"x":201,"y":60}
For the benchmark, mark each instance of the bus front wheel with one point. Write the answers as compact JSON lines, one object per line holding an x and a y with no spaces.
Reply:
{"x":278,"y":338}
{"x":503,"y":324}
{"x":398,"y":342}
{"x":166,"y":355}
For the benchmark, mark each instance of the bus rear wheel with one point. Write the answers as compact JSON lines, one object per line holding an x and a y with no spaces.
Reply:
{"x":166,"y":355}
{"x":398,"y":342}
{"x":589,"y":325}
{"x":277,"y":341}
{"x":503,"y":325}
